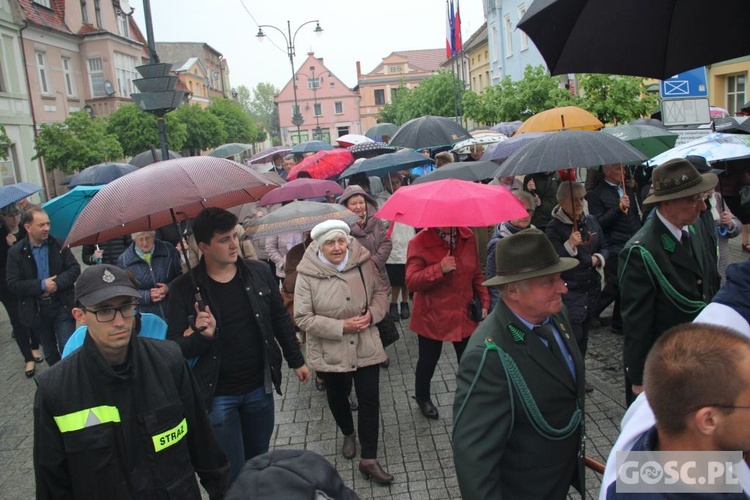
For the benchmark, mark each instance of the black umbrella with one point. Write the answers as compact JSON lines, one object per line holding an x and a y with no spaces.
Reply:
{"x":729,"y":125}
{"x":474,"y":171}
{"x":501,"y":151}
{"x":391,"y":162}
{"x":664,"y":37}
{"x":429,"y":132}
{"x":97,"y":175}
{"x":370,"y":149}
{"x":147,"y":157}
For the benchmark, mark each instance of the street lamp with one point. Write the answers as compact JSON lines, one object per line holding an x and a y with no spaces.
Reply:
{"x":289,"y":38}
{"x":315,"y":86}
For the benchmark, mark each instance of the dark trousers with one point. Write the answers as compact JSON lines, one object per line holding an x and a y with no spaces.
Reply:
{"x":610,"y":293}
{"x":24,"y":337}
{"x":429,"y":354}
{"x":581,"y":333}
{"x":56,"y":325}
{"x":367,"y":385}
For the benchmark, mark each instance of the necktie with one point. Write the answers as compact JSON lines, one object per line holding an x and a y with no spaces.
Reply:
{"x":545,"y":332}
{"x":685,"y":240}
{"x":620,"y":192}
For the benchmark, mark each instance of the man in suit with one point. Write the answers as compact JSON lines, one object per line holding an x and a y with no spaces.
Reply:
{"x":667,"y":274}
{"x":502,"y":448}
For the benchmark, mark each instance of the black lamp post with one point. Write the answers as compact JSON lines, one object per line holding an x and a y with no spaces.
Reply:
{"x":289,"y":38}
{"x":315,"y":86}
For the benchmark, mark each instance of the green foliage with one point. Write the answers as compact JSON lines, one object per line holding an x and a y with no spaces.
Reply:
{"x":238,"y":125}
{"x":137,"y":131}
{"x":517,"y":100}
{"x":615,"y":99}
{"x":434,"y":96}
{"x":76,"y":143}
{"x":263,"y":108}
{"x":5,"y":143}
{"x":204,"y":129}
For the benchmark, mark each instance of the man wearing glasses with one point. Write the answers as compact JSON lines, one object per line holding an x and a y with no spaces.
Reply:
{"x":666,"y":271}
{"x":122,"y":417}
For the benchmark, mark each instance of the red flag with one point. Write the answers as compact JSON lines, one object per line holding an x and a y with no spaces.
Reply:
{"x":457,"y":43}
{"x":448,"y":32}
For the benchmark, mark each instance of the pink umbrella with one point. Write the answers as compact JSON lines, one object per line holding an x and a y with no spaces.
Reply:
{"x":301,"y":189}
{"x":323,"y":164}
{"x":451,"y":203}
{"x":348,"y":140}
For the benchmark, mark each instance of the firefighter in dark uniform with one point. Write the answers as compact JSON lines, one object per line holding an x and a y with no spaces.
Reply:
{"x":122,"y":417}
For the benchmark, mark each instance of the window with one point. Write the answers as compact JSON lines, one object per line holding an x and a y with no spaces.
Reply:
{"x":67,"y":66}
{"x":41,"y":64}
{"x":396,"y":69}
{"x":508,"y":29}
{"x":8,"y":168}
{"x":122,"y":24}
{"x":524,"y":37}
{"x":125,"y":73}
{"x":318,"y":109}
{"x":342,"y":131}
{"x":332,"y":84}
{"x":313,"y":83}
{"x":84,"y":12}
{"x":736,"y":92}
{"x":96,"y":77}
{"x":474,"y":83}
{"x":480,"y":83}
{"x":98,"y":12}
{"x":338,"y":107}
{"x":394,"y":93}
{"x":44,"y":3}
{"x":2,"y":79}
{"x":379,"y":97}
{"x":295,"y":110}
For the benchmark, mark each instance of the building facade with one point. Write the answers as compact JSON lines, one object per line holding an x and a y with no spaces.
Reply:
{"x":328,"y":107}
{"x":727,"y":84}
{"x":510,"y":50}
{"x":202,"y":69}
{"x":399,"y":69}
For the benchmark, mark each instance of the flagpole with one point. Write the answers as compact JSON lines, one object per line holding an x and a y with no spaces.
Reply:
{"x":450,"y":40}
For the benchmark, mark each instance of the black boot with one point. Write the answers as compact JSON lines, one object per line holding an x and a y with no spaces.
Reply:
{"x":393,"y":311}
{"x":405,"y":312}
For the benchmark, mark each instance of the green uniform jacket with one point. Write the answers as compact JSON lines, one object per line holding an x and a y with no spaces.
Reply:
{"x":647,"y":310}
{"x":497,"y":452}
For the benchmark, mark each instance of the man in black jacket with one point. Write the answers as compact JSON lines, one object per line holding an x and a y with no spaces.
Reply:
{"x":122,"y":417}
{"x":233,"y":326}
{"x":41,"y":274}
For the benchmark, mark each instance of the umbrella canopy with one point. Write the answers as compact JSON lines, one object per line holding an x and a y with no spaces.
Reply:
{"x":323,"y":164}
{"x":231,"y":149}
{"x":301,"y":189}
{"x":152,"y":197}
{"x":649,"y":140}
{"x":299,"y":216}
{"x":501,"y":151}
{"x":731,"y":126}
{"x":465,"y":147}
{"x":429,"y":132}
{"x":103,"y":173}
{"x":451,"y":203}
{"x":648,"y":121}
{"x":266,"y":155}
{"x":147,"y":158}
{"x":377,"y":132}
{"x":17,"y":192}
{"x":311,"y":147}
{"x":391,"y":162}
{"x":564,"y":118}
{"x":371,"y":149}
{"x":713,"y":147}
{"x":575,"y":36}
{"x":569,"y":149}
{"x":508,"y":128}
{"x":348,"y":140}
{"x":64,"y":210}
{"x":474,"y":171}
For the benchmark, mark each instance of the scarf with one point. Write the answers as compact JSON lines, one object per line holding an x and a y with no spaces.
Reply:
{"x":144,"y":256}
{"x":450,"y":238}
{"x":338,"y":267}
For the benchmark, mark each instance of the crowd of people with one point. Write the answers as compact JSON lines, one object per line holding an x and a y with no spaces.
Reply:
{"x":145,"y":422}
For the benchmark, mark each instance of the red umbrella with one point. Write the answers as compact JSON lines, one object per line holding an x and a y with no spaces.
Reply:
{"x":451,"y":203}
{"x":323,"y":164}
{"x":165,"y":192}
{"x":301,"y":189}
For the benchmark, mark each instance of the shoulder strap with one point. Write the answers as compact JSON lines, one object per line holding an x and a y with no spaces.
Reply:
{"x":361,"y":275}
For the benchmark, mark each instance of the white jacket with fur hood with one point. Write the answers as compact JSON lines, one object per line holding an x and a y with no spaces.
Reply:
{"x":324,"y":298}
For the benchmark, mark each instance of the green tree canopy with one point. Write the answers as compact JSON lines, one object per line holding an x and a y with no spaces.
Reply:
{"x":137,"y":131}
{"x":434,"y":96}
{"x":615,"y":99}
{"x":5,"y":143}
{"x":262,"y":107}
{"x":204,"y":130}
{"x":76,"y":143}
{"x":238,"y":125}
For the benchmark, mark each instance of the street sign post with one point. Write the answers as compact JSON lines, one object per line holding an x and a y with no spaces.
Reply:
{"x":684,"y":112}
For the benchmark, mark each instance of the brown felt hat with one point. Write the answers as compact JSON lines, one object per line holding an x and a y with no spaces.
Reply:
{"x":527,"y":254}
{"x":678,"y":178}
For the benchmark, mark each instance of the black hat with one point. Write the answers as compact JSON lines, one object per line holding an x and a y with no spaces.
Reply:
{"x":102,"y":282}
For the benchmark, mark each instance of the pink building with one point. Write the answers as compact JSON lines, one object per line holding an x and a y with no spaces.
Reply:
{"x":329,"y":108}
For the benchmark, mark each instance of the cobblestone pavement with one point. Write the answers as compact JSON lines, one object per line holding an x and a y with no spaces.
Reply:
{"x":415,"y":450}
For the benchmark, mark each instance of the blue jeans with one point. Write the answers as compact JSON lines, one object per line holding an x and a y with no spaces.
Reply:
{"x":55,"y":328}
{"x":243,"y":424}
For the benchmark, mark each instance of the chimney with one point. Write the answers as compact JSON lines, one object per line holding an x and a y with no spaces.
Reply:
{"x":359,"y":71}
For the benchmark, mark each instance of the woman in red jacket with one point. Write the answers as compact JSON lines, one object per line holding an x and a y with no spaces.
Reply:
{"x":443,"y":271}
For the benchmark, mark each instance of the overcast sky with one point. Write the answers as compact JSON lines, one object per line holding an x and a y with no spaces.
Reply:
{"x":354,"y":30}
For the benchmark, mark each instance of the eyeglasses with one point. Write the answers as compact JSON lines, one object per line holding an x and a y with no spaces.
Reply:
{"x":108,"y":314}
{"x":697,"y":198}
{"x":696,"y":408}
{"x":530,"y":211}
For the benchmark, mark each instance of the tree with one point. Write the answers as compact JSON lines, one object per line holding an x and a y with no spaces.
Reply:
{"x":615,"y":99}
{"x":204,"y":130}
{"x":137,"y":131}
{"x":434,"y":96}
{"x":517,"y":100}
{"x":5,"y":143}
{"x":261,"y":106}
{"x":238,"y":125}
{"x":76,"y":143}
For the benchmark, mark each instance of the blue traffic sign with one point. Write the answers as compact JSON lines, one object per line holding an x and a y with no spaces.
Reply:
{"x":686,"y":85}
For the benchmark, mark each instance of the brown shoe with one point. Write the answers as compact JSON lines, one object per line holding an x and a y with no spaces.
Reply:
{"x":349,"y":450}
{"x":375,"y":472}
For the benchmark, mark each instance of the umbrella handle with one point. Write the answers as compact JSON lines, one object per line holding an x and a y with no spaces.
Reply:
{"x":623,"y":208}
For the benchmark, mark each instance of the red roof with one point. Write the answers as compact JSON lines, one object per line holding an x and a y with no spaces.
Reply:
{"x":427,"y":60}
{"x":52,"y":18}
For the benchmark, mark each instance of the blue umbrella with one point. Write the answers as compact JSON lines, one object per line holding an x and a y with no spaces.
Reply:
{"x":391,"y":162}
{"x":713,"y":147}
{"x":17,"y":192}
{"x":65,"y":209}
{"x":102,"y":173}
{"x":500,"y":151}
{"x":311,"y":147}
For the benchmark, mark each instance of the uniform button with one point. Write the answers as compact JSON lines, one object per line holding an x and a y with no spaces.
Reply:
{"x":351,"y":342}
{"x":348,"y":298}
{"x":257,"y":315}
{"x":700,"y":282}
{"x":353,"y":366}
{"x":260,"y":293}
